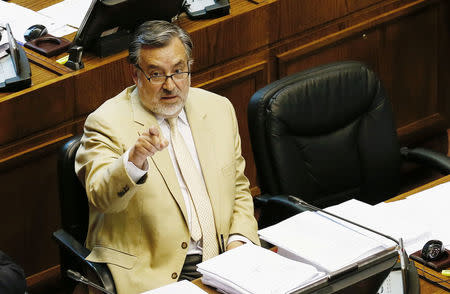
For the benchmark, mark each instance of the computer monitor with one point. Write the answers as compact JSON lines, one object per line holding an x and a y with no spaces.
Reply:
{"x":108,"y":25}
{"x":15,"y":73}
{"x":13,"y":49}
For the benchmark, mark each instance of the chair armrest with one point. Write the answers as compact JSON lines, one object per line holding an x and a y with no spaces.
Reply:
{"x":261,"y":200}
{"x":435,"y":160}
{"x":101,"y":270}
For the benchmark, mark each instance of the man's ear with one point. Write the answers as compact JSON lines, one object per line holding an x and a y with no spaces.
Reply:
{"x":133,"y":71}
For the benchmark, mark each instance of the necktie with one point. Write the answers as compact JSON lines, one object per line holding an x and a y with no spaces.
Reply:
{"x":203,"y":220}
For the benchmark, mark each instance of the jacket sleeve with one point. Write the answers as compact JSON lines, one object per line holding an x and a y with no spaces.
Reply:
{"x":243,"y":221}
{"x":100,"y":167}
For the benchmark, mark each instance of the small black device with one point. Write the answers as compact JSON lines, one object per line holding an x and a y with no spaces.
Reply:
{"x":433,"y":250}
{"x":74,"y":62}
{"x":34,"y":32}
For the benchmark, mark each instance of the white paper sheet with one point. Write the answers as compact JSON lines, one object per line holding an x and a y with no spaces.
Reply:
{"x":196,"y":5}
{"x":392,"y":219}
{"x":21,"y":18}
{"x":318,"y":240}
{"x":182,"y":287}
{"x":70,"y":12}
{"x":253,"y":269}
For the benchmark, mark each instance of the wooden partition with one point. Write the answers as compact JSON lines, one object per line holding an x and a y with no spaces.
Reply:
{"x":406,"y":42}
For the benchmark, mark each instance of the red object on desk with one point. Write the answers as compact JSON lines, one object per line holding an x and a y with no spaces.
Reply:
{"x":48,"y":45}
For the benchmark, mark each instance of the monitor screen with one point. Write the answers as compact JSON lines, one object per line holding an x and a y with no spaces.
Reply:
{"x":13,"y":50}
{"x":108,"y":24}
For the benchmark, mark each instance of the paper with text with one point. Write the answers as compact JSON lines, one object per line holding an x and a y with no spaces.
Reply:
{"x":313,"y":238}
{"x":392,"y":219}
{"x":253,"y":269}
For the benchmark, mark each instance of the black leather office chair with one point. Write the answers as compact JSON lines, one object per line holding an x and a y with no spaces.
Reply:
{"x":326,"y":135}
{"x":74,"y":219}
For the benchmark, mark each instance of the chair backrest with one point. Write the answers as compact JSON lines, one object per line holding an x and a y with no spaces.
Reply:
{"x":72,"y":195}
{"x":75,"y":220}
{"x":325,"y":135}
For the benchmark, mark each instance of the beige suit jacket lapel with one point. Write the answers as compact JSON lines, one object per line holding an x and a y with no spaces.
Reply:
{"x":144,"y":119}
{"x":202,"y":134}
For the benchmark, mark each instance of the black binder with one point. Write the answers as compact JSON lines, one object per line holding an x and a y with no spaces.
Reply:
{"x":17,"y":59}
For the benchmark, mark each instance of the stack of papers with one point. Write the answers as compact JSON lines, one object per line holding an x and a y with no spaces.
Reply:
{"x":396,"y":223}
{"x":250,"y":269}
{"x":330,"y":243}
{"x":182,"y":287}
{"x":424,"y":211}
{"x":320,"y":241}
{"x":312,"y":245}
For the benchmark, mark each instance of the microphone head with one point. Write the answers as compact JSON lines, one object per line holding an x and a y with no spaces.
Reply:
{"x":294,"y":199}
{"x":74,"y":275}
{"x":299,"y":201}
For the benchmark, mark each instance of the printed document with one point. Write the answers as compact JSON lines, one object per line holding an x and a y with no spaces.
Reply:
{"x":316,"y":239}
{"x":250,"y":269}
{"x":392,"y":219}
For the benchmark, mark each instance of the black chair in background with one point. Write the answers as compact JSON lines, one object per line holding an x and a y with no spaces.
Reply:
{"x":74,"y":219}
{"x":12,"y":276}
{"x":327,"y":135}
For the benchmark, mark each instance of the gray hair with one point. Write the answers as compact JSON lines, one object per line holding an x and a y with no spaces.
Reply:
{"x":157,"y":34}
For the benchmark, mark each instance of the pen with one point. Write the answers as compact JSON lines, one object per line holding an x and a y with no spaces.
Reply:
{"x":223,"y":243}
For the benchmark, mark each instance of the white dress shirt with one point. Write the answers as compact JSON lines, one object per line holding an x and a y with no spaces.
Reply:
{"x":136,"y":173}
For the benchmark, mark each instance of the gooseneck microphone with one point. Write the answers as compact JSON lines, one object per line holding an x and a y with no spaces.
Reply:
{"x":80,"y":278}
{"x":400,"y":247}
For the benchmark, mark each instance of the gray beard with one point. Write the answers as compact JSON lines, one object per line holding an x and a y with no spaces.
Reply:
{"x":167,"y":110}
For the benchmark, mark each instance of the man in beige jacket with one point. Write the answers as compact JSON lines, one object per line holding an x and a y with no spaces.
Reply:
{"x":142,"y":211}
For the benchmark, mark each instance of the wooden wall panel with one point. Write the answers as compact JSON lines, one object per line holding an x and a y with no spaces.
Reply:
{"x":30,"y":211}
{"x":362,"y":46}
{"x":95,"y":86}
{"x":408,"y":64}
{"x":37,"y":110}
{"x":402,"y":48}
{"x":409,"y":70}
{"x":312,"y":13}
{"x":233,"y":36}
{"x":444,"y":61}
{"x":239,"y":86}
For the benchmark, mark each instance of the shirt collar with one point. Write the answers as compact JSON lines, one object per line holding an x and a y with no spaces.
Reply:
{"x":182,"y":116}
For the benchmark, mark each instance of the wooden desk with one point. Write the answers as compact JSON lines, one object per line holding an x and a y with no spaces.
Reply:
{"x":425,"y":287}
{"x":405,"y":41}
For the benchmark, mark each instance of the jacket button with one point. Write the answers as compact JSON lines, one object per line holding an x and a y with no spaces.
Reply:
{"x":184,"y":245}
{"x":174,"y":276}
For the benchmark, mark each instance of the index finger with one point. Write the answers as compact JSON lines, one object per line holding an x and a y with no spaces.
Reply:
{"x":153,"y":130}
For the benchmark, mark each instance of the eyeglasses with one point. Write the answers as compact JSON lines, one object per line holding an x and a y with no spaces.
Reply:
{"x":161,"y":79}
